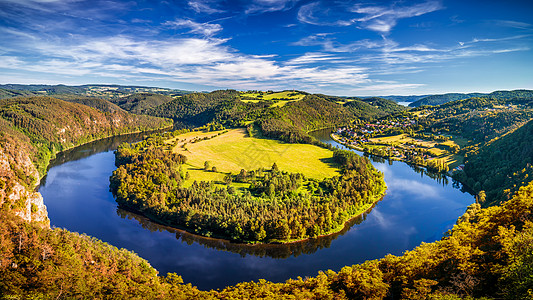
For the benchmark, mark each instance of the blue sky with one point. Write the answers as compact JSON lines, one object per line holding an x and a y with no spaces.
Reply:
{"x":333,"y":47}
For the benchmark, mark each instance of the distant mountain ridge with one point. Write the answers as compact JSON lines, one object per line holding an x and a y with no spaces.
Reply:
{"x":141,"y":102}
{"x":410,"y":98}
{"x":107,"y":91}
{"x":444,"y":98}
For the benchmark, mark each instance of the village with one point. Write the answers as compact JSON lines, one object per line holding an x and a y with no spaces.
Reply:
{"x":397,"y":139}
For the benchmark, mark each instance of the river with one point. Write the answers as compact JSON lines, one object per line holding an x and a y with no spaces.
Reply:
{"x":417,"y":208}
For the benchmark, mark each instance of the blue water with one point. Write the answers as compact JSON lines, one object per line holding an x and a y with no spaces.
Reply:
{"x":415,"y":209}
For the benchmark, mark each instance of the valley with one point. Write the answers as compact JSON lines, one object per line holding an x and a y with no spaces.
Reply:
{"x":256,"y":175}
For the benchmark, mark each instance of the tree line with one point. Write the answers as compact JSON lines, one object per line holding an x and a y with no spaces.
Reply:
{"x":277,"y":205}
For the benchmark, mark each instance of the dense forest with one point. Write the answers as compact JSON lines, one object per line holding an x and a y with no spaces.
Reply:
{"x":199,"y":109}
{"x":34,"y":129}
{"x":94,"y":102}
{"x":477,"y":119}
{"x":140,"y":103}
{"x":292,"y":122}
{"x":109,"y":92}
{"x":9,"y":93}
{"x":52,"y":125}
{"x":497,"y":95}
{"x":501,"y":167}
{"x":276,"y":207}
{"x":366,"y":108}
{"x":441,"y":99}
{"x":487,"y":254}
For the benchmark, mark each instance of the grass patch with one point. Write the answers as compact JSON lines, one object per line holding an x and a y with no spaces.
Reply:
{"x":453,"y":160}
{"x":279,"y":98}
{"x":435,"y":149}
{"x":234,"y":150}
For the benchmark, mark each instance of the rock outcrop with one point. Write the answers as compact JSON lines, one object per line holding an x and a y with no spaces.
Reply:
{"x":18,"y":180}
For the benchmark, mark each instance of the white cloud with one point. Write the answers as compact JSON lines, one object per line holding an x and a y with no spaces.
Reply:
{"x":514,"y":24}
{"x":383,"y":19}
{"x":306,"y":14}
{"x":308,"y":58}
{"x":376,"y":18}
{"x":515,"y":37}
{"x":204,"y":6}
{"x":330,"y":45}
{"x":200,"y":61}
{"x":205,"y":29}
{"x":263,"y":6}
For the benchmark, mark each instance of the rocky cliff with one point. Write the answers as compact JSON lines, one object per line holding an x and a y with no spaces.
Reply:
{"x":18,"y":180}
{"x":34,"y":129}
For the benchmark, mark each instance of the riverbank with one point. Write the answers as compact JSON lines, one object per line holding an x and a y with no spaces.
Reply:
{"x":281,"y":201}
{"x":444,"y":162}
{"x":360,"y":212}
{"x":83,"y":203}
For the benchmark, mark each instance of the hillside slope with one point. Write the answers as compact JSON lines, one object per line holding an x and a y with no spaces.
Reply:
{"x":497,"y":95}
{"x":199,"y":109}
{"x":141,"y":102}
{"x":502,"y":166}
{"x":98,"y":103}
{"x":487,"y":254}
{"x":34,"y":129}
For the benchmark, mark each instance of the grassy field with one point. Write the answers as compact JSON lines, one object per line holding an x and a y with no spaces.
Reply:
{"x":453,"y":160}
{"x":234,"y":150}
{"x":279,"y":98}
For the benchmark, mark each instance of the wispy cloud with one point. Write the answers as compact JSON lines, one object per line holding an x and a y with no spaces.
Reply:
{"x":204,"y":6}
{"x":205,"y":29}
{"x":308,"y":14}
{"x":193,"y":60}
{"x":263,"y":6}
{"x":514,"y":24}
{"x":311,"y":58}
{"x":376,"y":18}
{"x":384,"y":18}
{"x":329,"y":44}
{"x":508,"y":38}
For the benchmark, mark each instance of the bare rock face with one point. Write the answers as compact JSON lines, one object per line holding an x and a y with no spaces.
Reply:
{"x":28,"y":205}
{"x":18,"y":179}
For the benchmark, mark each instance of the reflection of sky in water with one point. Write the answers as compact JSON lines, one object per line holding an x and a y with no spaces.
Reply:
{"x":415,"y":209}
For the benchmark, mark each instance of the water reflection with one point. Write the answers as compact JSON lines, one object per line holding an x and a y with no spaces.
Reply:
{"x":98,"y":146}
{"x":323,"y":135}
{"x":92,"y":148}
{"x":278,"y":251}
{"x":78,"y":198}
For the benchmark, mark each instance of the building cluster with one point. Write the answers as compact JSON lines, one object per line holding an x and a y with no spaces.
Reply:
{"x":361,"y":133}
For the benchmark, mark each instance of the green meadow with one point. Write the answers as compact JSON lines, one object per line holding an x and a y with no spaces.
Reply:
{"x":278,"y":98}
{"x":235,"y":150}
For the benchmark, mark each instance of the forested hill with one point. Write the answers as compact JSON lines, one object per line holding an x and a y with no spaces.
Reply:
{"x":293,"y":121}
{"x":104,"y":91}
{"x":487,"y":254}
{"x":411,"y":98}
{"x":94,"y":102}
{"x":385,"y":106}
{"x":198,"y":109}
{"x":366,"y":108}
{"x":9,"y":93}
{"x":478,"y":119}
{"x":501,"y":167}
{"x":141,"y":102}
{"x":441,"y":99}
{"x":289,"y":122}
{"x":497,"y":95}
{"x":46,"y":89}
{"x":34,"y":129}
